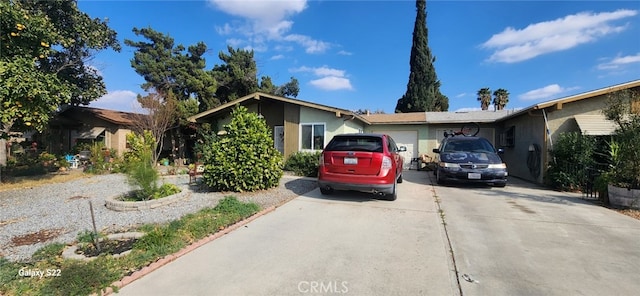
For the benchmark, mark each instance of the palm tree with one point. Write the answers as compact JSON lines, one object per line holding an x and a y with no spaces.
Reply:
{"x":500,"y":98}
{"x":484,"y":96}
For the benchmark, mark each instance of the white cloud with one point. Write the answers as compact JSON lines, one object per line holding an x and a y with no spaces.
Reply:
{"x":277,"y":57}
{"x":620,"y":62}
{"x":224,"y":30}
{"x":513,"y":45}
{"x":344,"y":52}
{"x":310,"y":45}
{"x":269,"y":19}
{"x":235,"y":42}
{"x":121,"y":100}
{"x":330,"y":79}
{"x":268,"y":14}
{"x":332,"y":83}
{"x":547,"y":92}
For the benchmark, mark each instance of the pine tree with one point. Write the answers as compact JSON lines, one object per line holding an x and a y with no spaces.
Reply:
{"x":423,"y":88}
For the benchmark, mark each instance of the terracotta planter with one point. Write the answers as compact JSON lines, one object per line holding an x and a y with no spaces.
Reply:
{"x":624,"y":197}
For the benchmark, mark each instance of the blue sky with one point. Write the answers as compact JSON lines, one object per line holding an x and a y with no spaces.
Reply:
{"x":355,"y":54}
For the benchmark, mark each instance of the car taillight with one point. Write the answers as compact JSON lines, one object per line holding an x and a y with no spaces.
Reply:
{"x":386,"y":166}
{"x":386,"y":163}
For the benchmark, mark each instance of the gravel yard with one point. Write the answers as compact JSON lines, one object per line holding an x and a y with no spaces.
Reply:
{"x":31,"y":218}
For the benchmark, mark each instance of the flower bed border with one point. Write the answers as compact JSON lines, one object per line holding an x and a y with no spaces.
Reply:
{"x":114,"y":203}
{"x":70,"y":251}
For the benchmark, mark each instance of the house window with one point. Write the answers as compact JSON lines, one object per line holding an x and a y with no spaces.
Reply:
{"x":312,"y":136}
{"x":508,"y":138}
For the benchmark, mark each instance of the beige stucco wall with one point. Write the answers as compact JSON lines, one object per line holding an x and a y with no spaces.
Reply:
{"x":561,"y":120}
{"x":334,"y":125}
{"x":118,"y":140}
{"x":529,"y":130}
{"x":421,"y":129}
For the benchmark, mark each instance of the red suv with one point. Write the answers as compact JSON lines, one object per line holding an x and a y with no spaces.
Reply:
{"x":361,"y":162}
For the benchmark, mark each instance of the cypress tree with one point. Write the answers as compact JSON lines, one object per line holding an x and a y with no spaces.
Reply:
{"x":423,"y":88}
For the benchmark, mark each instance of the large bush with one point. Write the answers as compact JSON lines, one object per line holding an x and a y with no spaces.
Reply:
{"x":625,"y":170}
{"x":303,"y":163}
{"x":244,"y":158}
{"x":572,"y":156}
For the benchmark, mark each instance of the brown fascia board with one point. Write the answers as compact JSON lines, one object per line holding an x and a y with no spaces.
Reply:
{"x":259,"y":95}
{"x":559,"y":102}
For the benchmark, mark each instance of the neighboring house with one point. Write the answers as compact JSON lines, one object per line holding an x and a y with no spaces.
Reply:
{"x":527,"y":135}
{"x":76,"y":124}
{"x":420,"y":132}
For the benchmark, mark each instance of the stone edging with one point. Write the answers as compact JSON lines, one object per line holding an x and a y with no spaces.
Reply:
{"x":113,"y":203}
{"x":70,"y":251}
{"x":170,"y":258}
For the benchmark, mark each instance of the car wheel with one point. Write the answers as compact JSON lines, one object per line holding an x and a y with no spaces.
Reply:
{"x":400,"y":179}
{"x":393,"y":195}
{"x":326,"y":190}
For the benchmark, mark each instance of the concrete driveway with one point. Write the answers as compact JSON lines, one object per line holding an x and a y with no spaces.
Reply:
{"x":523,"y":240}
{"x":346,"y":244}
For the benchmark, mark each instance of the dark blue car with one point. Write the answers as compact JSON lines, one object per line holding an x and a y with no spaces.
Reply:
{"x":470,"y":160}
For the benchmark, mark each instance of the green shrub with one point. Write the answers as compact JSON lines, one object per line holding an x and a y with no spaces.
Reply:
{"x":244,"y":159}
{"x":303,"y":163}
{"x":166,"y":190}
{"x":141,"y":173}
{"x":625,"y":147}
{"x":572,"y":157}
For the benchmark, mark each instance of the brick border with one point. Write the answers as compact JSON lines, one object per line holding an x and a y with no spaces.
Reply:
{"x":170,"y":258}
{"x":112,"y":202}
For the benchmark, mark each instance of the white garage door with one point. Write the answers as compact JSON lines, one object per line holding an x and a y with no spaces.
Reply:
{"x":408,"y":139}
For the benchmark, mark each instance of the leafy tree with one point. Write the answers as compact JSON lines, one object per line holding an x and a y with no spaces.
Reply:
{"x":365,"y":111}
{"x":289,"y":89}
{"x":45,"y":46}
{"x":243,"y":159}
{"x":170,"y":68}
{"x":237,"y":77}
{"x":177,"y":73}
{"x":484,"y":96}
{"x":423,"y":88}
{"x":159,"y":116}
{"x":500,"y":98}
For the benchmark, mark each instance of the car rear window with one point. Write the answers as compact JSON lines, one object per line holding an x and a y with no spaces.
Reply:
{"x":355,"y":143}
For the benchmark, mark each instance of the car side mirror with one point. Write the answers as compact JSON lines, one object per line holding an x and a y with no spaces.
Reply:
{"x":402,"y":149}
{"x":500,"y":151}
{"x":436,"y":150}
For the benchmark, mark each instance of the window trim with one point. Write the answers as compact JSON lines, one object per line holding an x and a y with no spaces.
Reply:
{"x":312,"y":124}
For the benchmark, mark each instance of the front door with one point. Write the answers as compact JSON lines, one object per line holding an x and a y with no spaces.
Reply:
{"x":278,"y":138}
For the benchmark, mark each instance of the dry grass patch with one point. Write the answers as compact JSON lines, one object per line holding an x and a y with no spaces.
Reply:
{"x":37,"y":237}
{"x":34,"y":181}
{"x":630,"y":212}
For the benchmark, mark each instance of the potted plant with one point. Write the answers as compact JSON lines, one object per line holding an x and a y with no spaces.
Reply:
{"x":624,"y":149}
